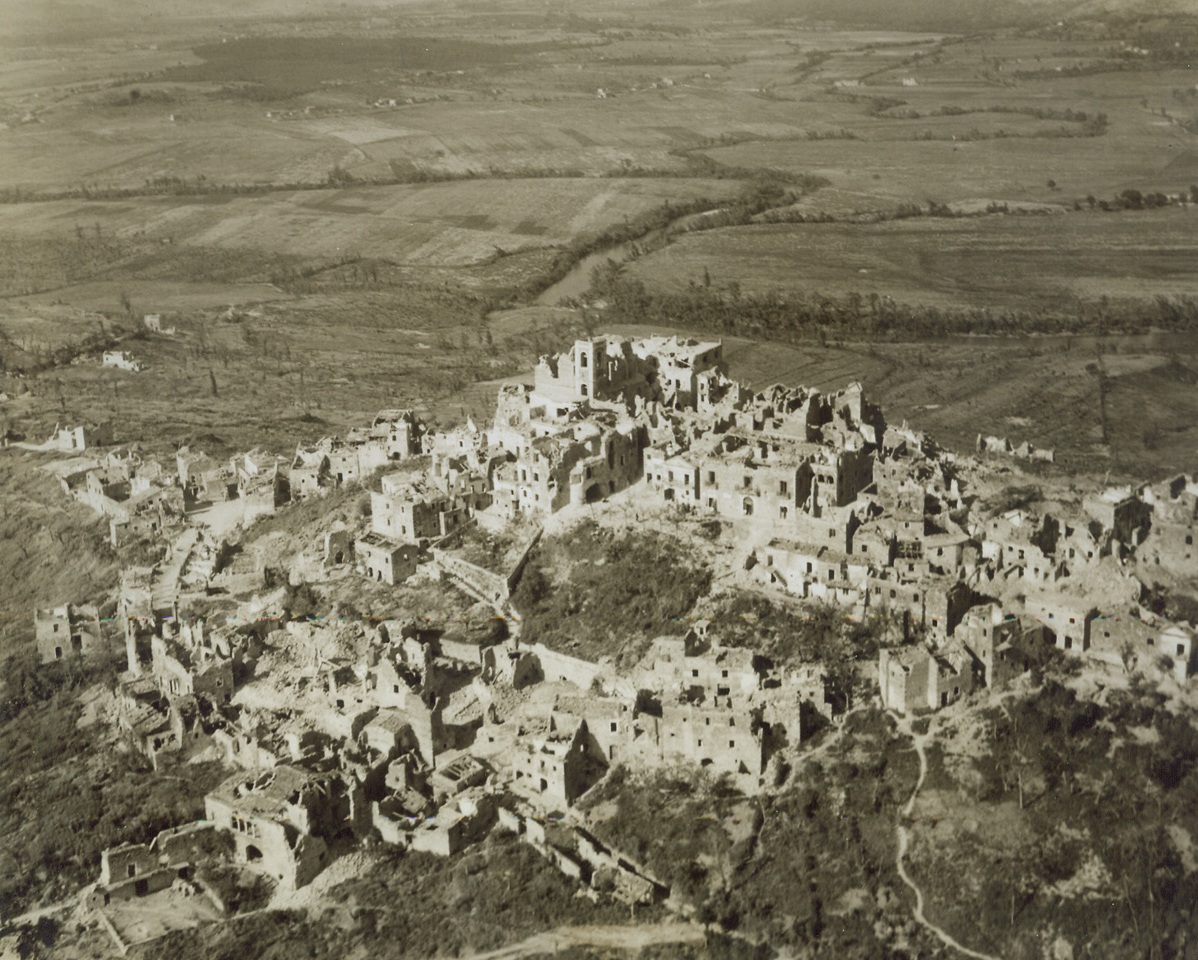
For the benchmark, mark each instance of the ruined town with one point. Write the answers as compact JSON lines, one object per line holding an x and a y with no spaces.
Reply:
{"x":634,"y":480}
{"x":365,"y":724}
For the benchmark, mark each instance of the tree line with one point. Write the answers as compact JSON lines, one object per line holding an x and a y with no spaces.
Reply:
{"x":801,"y":316}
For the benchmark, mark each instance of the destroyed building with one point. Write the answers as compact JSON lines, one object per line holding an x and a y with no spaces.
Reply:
{"x":654,"y":369}
{"x":121,"y":360}
{"x":557,"y":765}
{"x":580,"y":463}
{"x":413,"y":729}
{"x":80,"y":437}
{"x":385,"y":560}
{"x":427,"y":505}
{"x":282,"y":819}
{"x":67,"y":631}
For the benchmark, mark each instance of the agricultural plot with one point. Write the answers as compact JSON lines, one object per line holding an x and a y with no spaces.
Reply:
{"x":300,"y":64}
{"x":580,"y":134}
{"x":1000,"y":169}
{"x":405,"y":272}
{"x":28,"y":69}
{"x":257,"y":123}
{"x":990,"y":261}
{"x":516,"y":106}
{"x":58,"y":154}
{"x":454,"y":223}
{"x":976,"y":126}
{"x":158,"y":295}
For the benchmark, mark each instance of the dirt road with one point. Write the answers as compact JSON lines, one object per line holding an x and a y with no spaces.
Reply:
{"x":630,"y":938}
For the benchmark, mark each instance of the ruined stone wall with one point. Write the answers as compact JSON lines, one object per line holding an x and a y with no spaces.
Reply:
{"x":517,"y":571}
{"x":61,"y":638}
{"x":492,"y":587}
{"x":183,"y":844}
{"x":557,"y":666}
{"x":900,"y":690}
{"x":616,"y":465}
{"x":126,"y":862}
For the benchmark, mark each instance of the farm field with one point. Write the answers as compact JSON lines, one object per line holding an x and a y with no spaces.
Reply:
{"x":384,"y":286}
{"x":618,"y":111}
{"x":999,"y":261}
{"x":447,"y":224}
{"x":274,"y":109}
{"x":156,"y":295}
{"x":913,"y":171}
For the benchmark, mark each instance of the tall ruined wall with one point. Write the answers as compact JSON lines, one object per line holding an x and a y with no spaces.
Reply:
{"x":517,"y":571}
{"x":491,"y":586}
{"x":561,"y":666}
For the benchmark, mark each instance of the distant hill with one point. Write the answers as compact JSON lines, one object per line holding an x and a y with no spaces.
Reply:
{"x":1097,"y":8}
{"x":933,"y":16}
{"x":29,"y":22}
{"x":956,"y":16}
{"x":26,"y":21}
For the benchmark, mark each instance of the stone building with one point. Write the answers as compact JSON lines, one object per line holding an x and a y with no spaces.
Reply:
{"x":121,"y":360}
{"x":579,"y":463}
{"x":66,"y":631}
{"x":721,"y":734}
{"x":918,"y":678}
{"x":613,"y":368}
{"x":428,"y":505}
{"x":280,"y":819}
{"x":385,"y":560}
{"x":557,"y":766}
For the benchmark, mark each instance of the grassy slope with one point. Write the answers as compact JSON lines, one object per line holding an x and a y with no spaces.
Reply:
{"x":594,"y":594}
{"x":818,"y":866}
{"x":67,"y":795}
{"x":1100,"y":851}
{"x":56,"y":550}
{"x":413,"y":905}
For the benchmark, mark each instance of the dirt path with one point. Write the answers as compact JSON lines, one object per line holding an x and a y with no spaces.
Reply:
{"x":918,"y":742}
{"x":610,"y":937}
{"x":32,"y":916}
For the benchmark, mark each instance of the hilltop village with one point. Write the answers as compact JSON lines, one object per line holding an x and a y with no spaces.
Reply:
{"x":381,"y":726}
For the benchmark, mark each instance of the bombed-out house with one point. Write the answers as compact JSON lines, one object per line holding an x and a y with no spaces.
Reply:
{"x":67,"y":631}
{"x":282,"y":819}
{"x":412,"y":729}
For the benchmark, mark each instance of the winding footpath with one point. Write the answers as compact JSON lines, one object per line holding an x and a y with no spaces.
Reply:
{"x":918,"y":742}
